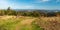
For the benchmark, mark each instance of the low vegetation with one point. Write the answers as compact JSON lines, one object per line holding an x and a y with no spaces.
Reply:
{"x":20,"y":23}
{"x":21,"y":20}
{"x":49,"y":23}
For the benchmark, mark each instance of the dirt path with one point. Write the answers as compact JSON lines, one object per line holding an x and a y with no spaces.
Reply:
{"x":25,"y":22}
{"x":7,"y":17}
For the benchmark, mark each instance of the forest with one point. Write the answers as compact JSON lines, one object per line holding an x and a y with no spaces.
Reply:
{"x":35,"y":13}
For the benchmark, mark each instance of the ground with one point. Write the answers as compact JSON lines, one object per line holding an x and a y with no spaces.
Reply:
{"x":16,"y":23}
{"x":29,"y":23}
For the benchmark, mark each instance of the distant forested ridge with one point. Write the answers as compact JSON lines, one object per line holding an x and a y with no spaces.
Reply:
{"x":33,"y":13}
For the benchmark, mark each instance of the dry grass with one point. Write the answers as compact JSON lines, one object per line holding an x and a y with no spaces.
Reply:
{"x":29,"y":23}
{"x":49,"y":23}
{"x":17,"y":23}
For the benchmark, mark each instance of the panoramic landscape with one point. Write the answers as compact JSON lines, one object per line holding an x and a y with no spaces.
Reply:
{"x":29,"y":14}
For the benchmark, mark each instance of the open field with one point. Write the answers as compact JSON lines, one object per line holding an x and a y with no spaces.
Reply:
{"x":17,"y":23}
{"x":49,"y":23}
{"x":29,"y":23}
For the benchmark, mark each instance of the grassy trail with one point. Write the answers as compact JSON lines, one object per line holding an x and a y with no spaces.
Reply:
{"x":25,"y":22}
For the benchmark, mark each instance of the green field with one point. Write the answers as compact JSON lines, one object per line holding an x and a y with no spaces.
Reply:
{"x":18,"y":23}
{"x":29,"y":23}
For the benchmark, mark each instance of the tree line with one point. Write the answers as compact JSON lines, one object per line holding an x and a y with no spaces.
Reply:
{"x":18,"y":13}
{"x":22,"y":13}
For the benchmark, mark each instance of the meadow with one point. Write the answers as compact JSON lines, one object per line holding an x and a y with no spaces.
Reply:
{"x":29,"y":23}
{"x":18,"y":23}
{"x":49,"y":23}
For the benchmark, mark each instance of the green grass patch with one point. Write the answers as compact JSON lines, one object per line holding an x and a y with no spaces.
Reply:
{"x":35,"y":26}
{"x":9,"y":24}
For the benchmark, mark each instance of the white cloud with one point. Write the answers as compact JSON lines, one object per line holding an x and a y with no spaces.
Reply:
{"x":23,"y":7}
{"x":43,"y":0}
{"x":3,"y":4}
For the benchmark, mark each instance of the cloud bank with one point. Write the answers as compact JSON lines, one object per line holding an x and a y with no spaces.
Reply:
{"x":47,"y":0}
{"x":4,"y":4}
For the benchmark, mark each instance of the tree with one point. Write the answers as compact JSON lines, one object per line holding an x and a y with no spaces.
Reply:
{"x":8,"y":8}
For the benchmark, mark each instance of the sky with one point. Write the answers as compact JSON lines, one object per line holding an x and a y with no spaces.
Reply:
{"x":30,"y":4}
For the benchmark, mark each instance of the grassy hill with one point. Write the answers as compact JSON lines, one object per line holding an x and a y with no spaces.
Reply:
{"x":18,"y":23}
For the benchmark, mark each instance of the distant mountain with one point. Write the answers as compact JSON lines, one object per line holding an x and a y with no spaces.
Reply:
{"x":30,"y":10}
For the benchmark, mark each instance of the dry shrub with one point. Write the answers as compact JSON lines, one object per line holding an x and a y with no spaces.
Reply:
{"x":49,"y":23}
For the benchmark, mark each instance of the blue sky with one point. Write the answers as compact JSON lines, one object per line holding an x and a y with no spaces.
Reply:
{"x":30,"y":4}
